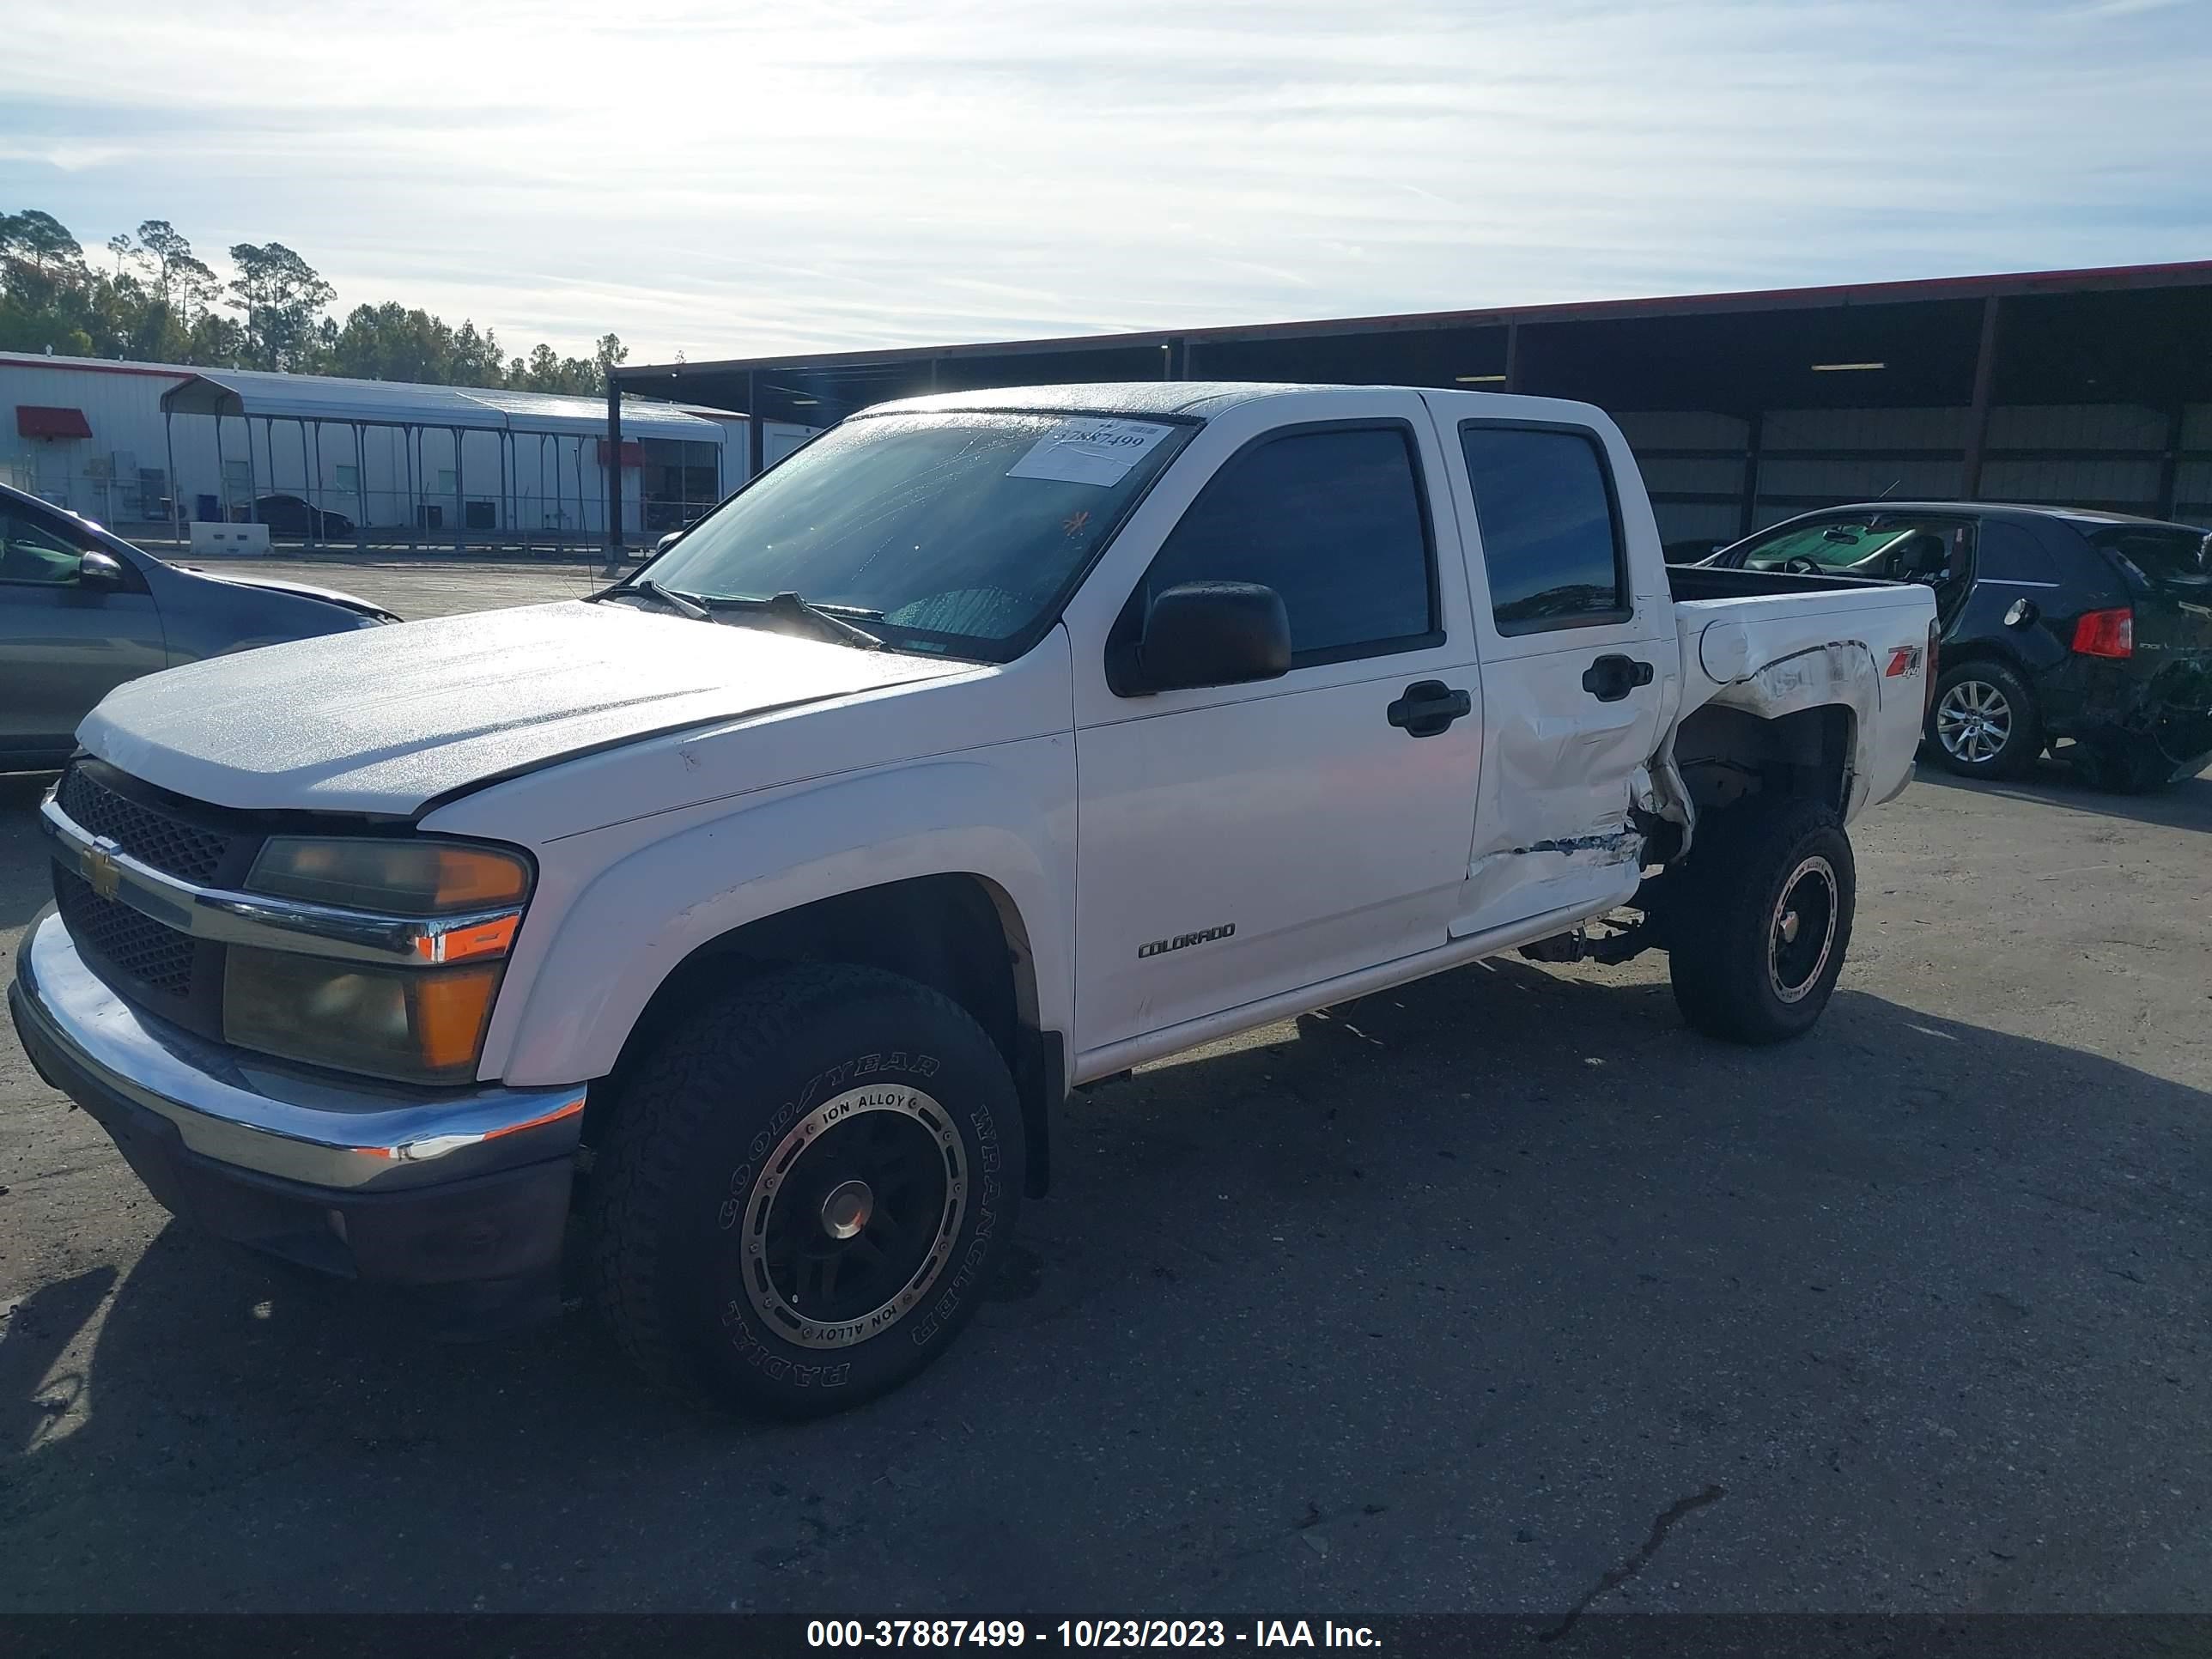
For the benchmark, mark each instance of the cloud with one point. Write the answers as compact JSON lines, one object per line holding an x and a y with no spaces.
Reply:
{"x":734,"y":179}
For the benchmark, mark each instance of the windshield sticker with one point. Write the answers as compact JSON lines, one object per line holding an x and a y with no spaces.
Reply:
{"x":1089,"y":452}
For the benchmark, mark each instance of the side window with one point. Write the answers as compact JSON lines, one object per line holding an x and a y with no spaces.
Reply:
{"x":2007,"y":553}
{"x":31,"y":552}
{"x":1333,"y":521}
{"x":1551,"y":536}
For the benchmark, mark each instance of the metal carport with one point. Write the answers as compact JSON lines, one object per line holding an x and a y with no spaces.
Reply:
{"x":2092,"y":387}
{"x":563,"y":425}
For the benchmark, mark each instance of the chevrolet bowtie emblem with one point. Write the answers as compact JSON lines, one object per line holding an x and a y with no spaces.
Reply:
{"x":101,"y":870}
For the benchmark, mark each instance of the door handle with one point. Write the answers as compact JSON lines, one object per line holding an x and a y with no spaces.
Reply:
{"x":1611,"y":678}
{"x":1427,"y":707}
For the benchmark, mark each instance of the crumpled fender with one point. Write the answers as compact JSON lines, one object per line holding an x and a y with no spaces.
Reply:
{"x":1841,"y":671}
{"x":617,"y":942}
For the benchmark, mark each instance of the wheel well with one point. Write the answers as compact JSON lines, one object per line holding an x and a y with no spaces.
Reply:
{"x":960,"y":935}
{"x":1726,"y":754}
{"x":1951,"y":657}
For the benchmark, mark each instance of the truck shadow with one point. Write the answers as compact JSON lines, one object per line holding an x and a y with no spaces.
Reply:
{"x":1503,"y":1208}
{"x":25,"y":886}
{"x":2186,"y":805}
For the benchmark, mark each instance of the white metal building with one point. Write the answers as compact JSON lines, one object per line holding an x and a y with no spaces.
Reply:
{"x":129,"y":444}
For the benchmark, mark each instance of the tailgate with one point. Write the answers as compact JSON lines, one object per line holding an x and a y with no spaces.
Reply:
{"x":2168,"y":570}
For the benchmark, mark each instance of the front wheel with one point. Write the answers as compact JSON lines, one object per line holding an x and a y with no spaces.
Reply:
{"x":1764,"y":920}
{"x":806,"y":1190}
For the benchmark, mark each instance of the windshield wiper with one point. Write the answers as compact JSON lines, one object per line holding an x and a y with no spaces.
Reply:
{"x":686,"y":602}
{"x":827,"y":621}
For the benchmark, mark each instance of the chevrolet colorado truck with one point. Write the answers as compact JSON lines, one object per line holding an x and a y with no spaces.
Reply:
{"x":719,"y":947}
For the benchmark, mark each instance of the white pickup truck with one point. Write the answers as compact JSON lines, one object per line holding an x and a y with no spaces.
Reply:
{"x":733,"y":935}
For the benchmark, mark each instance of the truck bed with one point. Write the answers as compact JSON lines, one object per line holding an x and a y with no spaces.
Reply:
{"x":1702,"y":581}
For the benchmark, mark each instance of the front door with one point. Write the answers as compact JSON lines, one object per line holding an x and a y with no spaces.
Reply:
{"x":64,"y":644}
{"x":1579,"y":665}
{"x":1244,"y":840}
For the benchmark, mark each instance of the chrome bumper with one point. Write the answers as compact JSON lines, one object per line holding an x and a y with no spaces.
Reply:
{"x":256,"y":1114}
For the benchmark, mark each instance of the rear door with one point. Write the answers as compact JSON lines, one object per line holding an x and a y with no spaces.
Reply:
{"x":63,"y":644}
{"x":1580,"y":664}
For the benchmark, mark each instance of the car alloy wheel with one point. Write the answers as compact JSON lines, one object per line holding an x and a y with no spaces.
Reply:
{"x":854,"y":1216}
{"x":1974,"y":722}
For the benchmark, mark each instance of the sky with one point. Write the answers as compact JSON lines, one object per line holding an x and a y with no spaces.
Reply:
{"x":734,"y":179}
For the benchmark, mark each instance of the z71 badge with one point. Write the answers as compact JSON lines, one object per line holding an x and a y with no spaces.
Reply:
{"x":1183,"y":941}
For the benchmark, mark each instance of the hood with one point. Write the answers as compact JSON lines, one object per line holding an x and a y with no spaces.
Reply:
{"x":386,"y":720}
{"x":277,"y":585}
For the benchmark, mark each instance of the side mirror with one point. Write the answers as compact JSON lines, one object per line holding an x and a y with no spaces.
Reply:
{"x":98,"y":570}
{"x":667,"y":542}
{"x":1209,"y":634}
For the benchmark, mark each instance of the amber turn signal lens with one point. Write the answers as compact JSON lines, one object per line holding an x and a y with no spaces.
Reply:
{"x":488,"y":938}
{"x":412,"y":1025}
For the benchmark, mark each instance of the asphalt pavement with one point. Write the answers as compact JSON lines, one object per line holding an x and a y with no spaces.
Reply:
{"x":1500,"y":1293}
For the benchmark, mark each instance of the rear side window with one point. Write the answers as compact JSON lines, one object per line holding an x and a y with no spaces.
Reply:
{"x":1333,"y":521}
{"x":1551,"y":533}
{"x":2006,"y":553}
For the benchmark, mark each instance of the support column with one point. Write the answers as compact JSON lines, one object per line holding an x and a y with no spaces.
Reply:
{"x":460,"y":498}
{"x":253,"y":486}
{"x":314,"y":469}
{"x":2169,"y":463}
{"x":614,"y":475}
{"x":756,"y":428}
{"x":175,"y":493}
{"x":1747,"y":521}
{"x":359,"y":491}
{"x":1977,"y":413}
{"x":1512,"y":354}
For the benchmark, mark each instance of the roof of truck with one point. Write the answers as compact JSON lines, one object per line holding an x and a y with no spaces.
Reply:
{"x":1191,"y":399}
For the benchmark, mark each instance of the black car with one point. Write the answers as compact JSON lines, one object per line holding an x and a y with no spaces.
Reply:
{"x":288,"y":515}
{"x":2060,"y":625}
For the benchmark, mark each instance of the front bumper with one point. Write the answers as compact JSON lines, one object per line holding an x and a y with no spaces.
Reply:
{"x":467,"y":1191}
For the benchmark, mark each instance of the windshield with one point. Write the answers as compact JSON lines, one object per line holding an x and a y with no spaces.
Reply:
{"x":1888,"y":546}
{"x":1829,"y":545}
{"x":959,"y":533}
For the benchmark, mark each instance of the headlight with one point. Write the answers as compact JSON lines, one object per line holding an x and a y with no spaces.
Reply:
{"x":408,"y":877}
{"x":416,"y":1025}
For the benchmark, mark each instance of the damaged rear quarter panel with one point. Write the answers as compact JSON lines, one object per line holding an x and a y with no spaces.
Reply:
{"x":1765,"y":666}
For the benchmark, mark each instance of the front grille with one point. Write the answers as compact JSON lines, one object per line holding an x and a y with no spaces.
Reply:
{"x":138,"y":952}
{"x":173,"y":974}
{"x":165,"y":840}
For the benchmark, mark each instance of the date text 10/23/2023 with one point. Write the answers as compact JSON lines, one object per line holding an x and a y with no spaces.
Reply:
{"x":1086,"y":1633}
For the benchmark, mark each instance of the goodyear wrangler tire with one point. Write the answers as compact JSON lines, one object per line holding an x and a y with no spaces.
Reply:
{"x":806,"y":1190}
